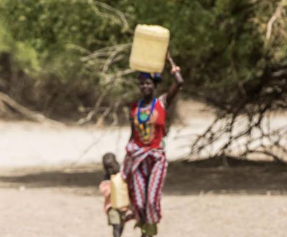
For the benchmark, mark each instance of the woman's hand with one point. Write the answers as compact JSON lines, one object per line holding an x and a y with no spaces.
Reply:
{"x":175,"y":69}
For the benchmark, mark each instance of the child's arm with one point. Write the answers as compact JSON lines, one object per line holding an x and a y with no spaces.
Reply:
{"x":105,"y":188}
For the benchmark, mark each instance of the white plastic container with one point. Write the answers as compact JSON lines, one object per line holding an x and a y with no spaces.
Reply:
{"x":119,"y":192}
{"x":149,"y":48}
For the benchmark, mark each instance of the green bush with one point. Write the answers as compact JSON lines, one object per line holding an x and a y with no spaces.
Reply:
{"x":220,"y":45}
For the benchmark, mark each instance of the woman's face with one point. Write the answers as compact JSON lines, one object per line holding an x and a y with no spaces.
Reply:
{"x":147,"y":86}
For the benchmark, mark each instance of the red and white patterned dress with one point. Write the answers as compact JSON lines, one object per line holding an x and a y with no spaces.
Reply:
{"x":145,"y":165}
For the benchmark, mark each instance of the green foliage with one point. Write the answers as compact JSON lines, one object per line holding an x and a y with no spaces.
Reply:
{"x":220,"y":44}
{"x":46,"y":28}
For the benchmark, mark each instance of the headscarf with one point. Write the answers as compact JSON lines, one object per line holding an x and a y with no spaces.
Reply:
{"x":155,"y":77}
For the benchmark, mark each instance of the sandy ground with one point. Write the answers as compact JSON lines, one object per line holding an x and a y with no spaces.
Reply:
{"x":241,"y":200}
{"x":52,"y":213}
{"x":25,"y":144}
{"x":49,"y":177}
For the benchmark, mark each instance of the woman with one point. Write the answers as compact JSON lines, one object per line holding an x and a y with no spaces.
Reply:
{"x":145,"y":165}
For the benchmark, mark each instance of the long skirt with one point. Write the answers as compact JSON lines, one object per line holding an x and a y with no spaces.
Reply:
{"x":144,"y":170}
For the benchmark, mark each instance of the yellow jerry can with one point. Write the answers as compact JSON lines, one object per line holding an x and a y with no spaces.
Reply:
{"x":119,"y":192}
{"x":149,"y":48}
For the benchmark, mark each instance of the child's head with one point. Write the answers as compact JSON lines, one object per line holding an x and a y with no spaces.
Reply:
{"x":110,"y":164}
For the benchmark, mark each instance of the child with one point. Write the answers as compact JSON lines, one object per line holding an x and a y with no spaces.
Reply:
{"x":116,"y":218}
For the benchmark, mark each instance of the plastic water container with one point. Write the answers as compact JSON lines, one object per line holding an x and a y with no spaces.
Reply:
{"x":149,"y":48}
{"x":119,"y":192}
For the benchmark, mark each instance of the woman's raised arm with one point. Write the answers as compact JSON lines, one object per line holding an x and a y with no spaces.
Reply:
{"x":175,"y":70}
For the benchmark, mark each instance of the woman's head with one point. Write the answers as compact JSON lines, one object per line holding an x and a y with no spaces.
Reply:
{"x":148,"y":82}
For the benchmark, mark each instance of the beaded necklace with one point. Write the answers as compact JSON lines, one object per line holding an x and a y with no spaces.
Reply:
{"x":143,"y":118}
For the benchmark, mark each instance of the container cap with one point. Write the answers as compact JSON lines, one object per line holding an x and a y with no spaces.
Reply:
{"x":153,"y":30}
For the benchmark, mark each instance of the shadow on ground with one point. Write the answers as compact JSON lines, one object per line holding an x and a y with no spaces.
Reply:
{"x":183,"y":178}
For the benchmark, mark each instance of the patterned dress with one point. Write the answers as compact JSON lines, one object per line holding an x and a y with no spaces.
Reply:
{"x":145,"y":165}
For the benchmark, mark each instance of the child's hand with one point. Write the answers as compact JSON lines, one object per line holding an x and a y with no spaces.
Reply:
{"x":129,"y":217}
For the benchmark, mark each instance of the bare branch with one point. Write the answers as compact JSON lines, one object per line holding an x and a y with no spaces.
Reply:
{"x":114,"y":78}
{"x":113,"y":13}
{"x":272,"y":20}
{"x":5,"y":100}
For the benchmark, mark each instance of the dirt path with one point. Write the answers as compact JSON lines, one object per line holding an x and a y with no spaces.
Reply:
{"x":57,"y":213}
{"x":26,"y":144}
{"x":56,"y":194}
{"x":201,"y":199}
